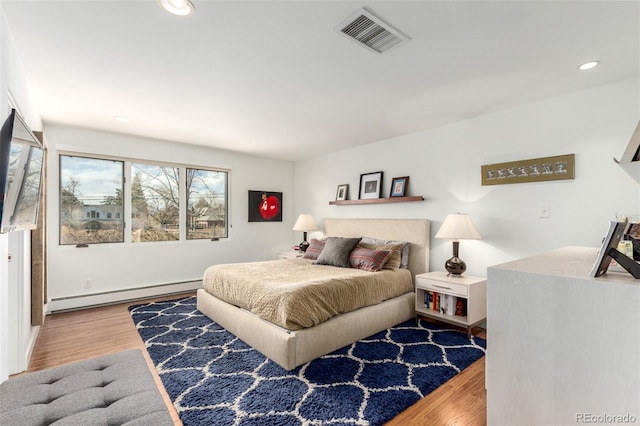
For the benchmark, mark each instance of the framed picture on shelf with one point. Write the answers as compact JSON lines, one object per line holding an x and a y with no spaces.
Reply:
{"x":343,"y":192}
{"x":370,"y":185}
{"x":399,"y":186}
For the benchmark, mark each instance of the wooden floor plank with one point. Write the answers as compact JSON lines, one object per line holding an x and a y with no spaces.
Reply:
{"x":74,"y":336}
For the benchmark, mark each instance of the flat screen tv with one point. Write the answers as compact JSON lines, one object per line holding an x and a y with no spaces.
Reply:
{"x":21,"y":161}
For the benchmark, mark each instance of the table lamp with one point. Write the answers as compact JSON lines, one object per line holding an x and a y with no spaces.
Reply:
{"x":305,"y":223}
{"x":457,"y":227}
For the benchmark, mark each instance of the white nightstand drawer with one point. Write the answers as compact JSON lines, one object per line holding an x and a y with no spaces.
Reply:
{"x":443,"y":287}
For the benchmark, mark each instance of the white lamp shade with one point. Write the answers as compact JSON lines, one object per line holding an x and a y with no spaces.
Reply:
{"x":458,"y":226}
{"x":305,"y":223}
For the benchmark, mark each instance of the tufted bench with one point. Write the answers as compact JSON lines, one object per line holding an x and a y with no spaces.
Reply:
{"x":115,"y":389}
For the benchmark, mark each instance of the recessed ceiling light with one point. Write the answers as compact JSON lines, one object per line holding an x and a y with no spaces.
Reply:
{"x":121,"y":119}
{"x":589,"y":65}
{"x":178,"y":7}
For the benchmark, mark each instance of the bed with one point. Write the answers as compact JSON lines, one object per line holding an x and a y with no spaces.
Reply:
{"x":292,"y":344}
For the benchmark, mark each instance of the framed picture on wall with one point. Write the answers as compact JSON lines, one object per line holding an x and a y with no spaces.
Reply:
{"x":559,"y":167}
{"x":265,"y":206}
{"x":399,"y":186}
{"x":370,"y":185}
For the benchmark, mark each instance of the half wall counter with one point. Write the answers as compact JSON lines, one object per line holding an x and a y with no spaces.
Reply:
{"x":562,"y":347}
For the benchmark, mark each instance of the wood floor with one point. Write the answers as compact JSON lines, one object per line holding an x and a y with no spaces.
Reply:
{"x":74,"y":336}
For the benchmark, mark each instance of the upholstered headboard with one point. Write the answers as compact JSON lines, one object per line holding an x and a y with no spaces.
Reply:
{"x":416,"y":231}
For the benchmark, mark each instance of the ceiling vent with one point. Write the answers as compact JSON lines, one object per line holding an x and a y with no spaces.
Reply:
{"x":371,"y":32}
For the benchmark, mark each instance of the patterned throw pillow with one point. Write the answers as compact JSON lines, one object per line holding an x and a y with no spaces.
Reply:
{"x":406,"y":246}
{"x":367,"y":259}
{"x":393,"y":262}
{"x":314,"y":249}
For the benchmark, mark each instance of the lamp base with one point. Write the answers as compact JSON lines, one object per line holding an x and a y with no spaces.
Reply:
{"x":303,"y":246}
{"x":455,"y":266}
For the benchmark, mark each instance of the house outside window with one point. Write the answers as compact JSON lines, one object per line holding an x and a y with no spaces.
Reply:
{"x":89,"y":187}
{"x":92,"y":204}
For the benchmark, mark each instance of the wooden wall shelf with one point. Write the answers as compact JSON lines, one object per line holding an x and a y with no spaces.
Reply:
{"x":376,"y":201}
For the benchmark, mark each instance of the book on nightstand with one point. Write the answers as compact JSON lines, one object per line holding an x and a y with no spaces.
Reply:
{"x":451,"y":305}
{"x":461,"y":307}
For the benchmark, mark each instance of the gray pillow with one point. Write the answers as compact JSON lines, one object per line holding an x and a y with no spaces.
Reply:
{"x":336,"y":251}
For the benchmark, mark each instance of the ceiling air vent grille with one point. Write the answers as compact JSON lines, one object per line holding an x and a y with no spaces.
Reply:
{"x":371,"y":32}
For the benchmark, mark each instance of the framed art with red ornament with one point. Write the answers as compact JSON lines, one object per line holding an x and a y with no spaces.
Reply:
{"x":265,"y":206}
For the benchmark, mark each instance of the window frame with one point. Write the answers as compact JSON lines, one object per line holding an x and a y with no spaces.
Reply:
{"x":91,"y":214}
{"x":226,"y":206}
{"x":127,"y":207}
{"x":129,"y":170}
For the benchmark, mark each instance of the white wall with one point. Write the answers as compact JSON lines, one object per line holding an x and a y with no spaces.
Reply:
{"x":16,"y":334}
{"x":126,"y":266}
{"x":444,"y":167}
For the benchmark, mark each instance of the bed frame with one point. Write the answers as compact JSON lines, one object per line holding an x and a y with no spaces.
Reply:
{"x":290,"y":348}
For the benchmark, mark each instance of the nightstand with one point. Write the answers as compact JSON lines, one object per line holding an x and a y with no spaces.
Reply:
{"x":289,"y":254}
{"x":455,"y":300}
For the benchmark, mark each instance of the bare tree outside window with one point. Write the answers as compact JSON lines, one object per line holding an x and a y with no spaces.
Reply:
{"x":90,"y":190}
{"x":92,"y":201}
{"x":206,"y":204}
{"x":155,"y":202}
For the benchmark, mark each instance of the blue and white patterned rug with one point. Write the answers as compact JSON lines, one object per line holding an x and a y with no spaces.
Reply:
{"x":214,"y":378}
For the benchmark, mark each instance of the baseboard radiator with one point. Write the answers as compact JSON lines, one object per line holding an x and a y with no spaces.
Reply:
{"x":117,"y":296}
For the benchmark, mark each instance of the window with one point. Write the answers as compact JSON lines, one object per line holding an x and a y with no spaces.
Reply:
{"x":155,"y":203}
{"x":206,"y":204}
{"x":92,"y":204}
{"x":89,"y":187}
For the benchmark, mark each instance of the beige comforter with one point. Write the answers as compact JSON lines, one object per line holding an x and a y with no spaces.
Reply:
{"x":296,"y":293}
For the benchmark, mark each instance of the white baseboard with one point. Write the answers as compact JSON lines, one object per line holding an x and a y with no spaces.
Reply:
{"x":89,"y":300}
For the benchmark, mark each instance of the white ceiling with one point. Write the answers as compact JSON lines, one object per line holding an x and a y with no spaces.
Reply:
{"x":273,"y":78}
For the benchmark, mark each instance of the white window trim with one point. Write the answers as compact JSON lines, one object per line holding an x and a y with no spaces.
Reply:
{"x":70,"y":150}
